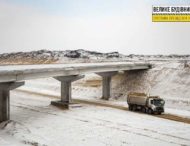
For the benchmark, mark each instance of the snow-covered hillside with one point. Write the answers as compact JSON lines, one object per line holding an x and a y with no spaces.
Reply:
{"x":170,"y":80}
{"x":67,"y":56}
{"x":75,"y":56}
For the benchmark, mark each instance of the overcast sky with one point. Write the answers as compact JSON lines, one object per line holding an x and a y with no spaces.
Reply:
{"x":100,"y":25}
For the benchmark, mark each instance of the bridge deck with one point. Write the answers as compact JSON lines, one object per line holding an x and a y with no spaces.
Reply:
{"x":11,"y":73}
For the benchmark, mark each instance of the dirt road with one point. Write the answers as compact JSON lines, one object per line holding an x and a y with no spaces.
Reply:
{"x":106,"y":104}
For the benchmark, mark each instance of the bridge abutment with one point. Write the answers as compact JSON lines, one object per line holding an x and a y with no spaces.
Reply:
{"x":5,"y":98}
{"x":66,"y":90}
{"x":106,"y":83}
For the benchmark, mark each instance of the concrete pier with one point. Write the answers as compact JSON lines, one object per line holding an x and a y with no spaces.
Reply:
{"x":5,"y":98}
{"x":66,"y":96}
{"x":106,"y":83}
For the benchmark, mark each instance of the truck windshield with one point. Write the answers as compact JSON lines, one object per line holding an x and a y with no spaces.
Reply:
{"x":158,"y":102}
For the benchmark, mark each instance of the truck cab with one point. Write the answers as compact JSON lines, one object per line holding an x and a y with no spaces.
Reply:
{"x":156,"y":104}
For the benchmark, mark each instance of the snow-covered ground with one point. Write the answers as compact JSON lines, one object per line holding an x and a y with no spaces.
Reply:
{"x":37,"y":123}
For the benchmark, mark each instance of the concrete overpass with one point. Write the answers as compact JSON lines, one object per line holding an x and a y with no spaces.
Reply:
{"x":13,"y":76}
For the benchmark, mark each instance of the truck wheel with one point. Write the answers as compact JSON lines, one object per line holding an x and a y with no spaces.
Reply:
{"x":150,"y":111}
{"x":143,"y":110}
{"x":130,"y":107}
{"x":134,"y":108}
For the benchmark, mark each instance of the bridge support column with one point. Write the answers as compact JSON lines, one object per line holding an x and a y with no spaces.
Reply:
{"x":66,"y":90}
{"x":106,"y":83}
{"x":5,"y":98}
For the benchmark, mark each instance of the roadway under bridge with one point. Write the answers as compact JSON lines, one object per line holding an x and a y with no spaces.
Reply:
{"x":13,"y":76}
